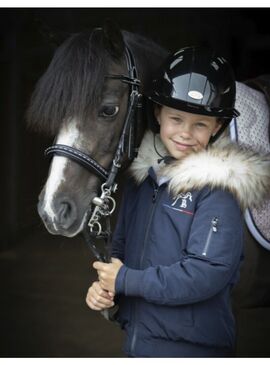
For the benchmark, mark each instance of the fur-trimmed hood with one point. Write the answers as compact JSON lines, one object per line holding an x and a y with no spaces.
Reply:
{"x":225,"y":165}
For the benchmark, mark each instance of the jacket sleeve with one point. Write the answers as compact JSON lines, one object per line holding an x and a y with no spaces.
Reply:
{"x":209,"y":263}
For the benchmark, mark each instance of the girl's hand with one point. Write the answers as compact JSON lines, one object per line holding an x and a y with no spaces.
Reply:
{"x":107,"y":273}
{"x":98,"y":298}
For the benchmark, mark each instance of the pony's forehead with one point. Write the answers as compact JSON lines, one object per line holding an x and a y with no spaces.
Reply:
{"x":73,"y":83}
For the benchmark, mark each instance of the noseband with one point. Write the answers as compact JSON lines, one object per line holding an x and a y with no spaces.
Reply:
{"x":105,"y":204}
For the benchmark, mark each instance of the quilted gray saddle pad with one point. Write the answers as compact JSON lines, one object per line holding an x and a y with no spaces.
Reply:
{"x":251,"y":129}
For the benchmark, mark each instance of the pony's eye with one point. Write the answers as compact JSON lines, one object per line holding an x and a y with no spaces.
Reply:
{"x":109,"y":111}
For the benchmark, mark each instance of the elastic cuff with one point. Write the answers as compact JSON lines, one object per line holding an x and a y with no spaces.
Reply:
{"x":120,"y":280}
{"x":134,"y":282}
{"x":129,"y":282}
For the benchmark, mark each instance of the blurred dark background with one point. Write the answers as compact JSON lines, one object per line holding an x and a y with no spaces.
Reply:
{"x":44,"y":279}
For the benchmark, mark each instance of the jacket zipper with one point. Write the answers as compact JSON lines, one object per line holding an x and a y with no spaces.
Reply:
{"x":151,"y":214}
{"x":213,"y":229}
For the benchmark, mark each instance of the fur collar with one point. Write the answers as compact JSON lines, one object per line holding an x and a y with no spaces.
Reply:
{"x":225,"y":165}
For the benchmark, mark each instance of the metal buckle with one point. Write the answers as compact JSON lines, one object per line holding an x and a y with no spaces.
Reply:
{"x":104,"y":207}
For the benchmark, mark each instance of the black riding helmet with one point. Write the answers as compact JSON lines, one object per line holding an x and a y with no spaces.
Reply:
{"x":195,"y":80}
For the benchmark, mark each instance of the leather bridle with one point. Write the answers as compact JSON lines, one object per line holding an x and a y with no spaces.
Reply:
{"x":105,"y":203}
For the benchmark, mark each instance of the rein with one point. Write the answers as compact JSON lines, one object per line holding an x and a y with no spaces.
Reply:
{"x":105,"y":204}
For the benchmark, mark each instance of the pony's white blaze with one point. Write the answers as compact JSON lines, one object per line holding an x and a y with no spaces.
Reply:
{"x":68,"y":135}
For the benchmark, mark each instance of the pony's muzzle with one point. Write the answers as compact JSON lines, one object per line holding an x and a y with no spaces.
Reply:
{"x":58,"y":216}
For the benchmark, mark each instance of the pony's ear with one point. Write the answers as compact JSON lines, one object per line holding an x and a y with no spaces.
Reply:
{"x":113,"y":39}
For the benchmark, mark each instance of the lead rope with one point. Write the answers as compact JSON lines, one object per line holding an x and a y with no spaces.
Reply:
{"x":104,"y":207}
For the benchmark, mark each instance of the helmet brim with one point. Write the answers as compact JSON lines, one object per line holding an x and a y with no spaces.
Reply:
{"x":194,"y":108}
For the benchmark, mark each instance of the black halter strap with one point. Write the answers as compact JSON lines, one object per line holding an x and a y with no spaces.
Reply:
{"x":78,"y":156}
{"x":127,"y":140}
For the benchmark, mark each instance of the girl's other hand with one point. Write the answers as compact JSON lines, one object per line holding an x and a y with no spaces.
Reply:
{"x":98,"y":298}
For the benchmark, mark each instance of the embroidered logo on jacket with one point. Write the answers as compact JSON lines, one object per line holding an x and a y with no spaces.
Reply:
{"x":183,"y":197}
{"x":181,"y":201}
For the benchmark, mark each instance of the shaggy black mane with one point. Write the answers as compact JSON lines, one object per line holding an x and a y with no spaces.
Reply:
{"x":71,"y":84}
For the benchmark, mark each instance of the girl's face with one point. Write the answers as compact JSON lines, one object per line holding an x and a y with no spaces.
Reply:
{"x":184,"y":133}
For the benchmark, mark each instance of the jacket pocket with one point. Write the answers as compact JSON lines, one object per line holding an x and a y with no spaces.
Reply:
{"x":212,"y":231}
{"x":167,"y":322}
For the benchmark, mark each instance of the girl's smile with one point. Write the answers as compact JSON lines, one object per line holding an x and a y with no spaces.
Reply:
{"x":182,"y":146}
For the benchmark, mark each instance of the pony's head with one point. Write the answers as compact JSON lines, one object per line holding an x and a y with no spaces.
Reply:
{"x":81,"y":106}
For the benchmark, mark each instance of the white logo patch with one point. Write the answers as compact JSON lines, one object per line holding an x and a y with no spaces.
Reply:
{"x":194,"y":94}
{"x":184,"y":197}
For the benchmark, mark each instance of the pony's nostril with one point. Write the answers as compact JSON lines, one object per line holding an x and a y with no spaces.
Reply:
{"x":66,"y":213}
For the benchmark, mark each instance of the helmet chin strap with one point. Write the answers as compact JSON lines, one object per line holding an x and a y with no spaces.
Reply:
{"x":214,"y":137}
{"x":167,"y":158}
{"x":155,"y":147}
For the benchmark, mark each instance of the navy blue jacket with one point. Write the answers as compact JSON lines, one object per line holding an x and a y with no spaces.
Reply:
{"x":181,"y":259}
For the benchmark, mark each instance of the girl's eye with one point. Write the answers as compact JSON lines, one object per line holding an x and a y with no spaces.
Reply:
{"x":109,"y":111}
{"x":176,"y":119}
{"x":201,"y":125}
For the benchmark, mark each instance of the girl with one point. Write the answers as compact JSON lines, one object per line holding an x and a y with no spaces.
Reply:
{"x":178,"y":243}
